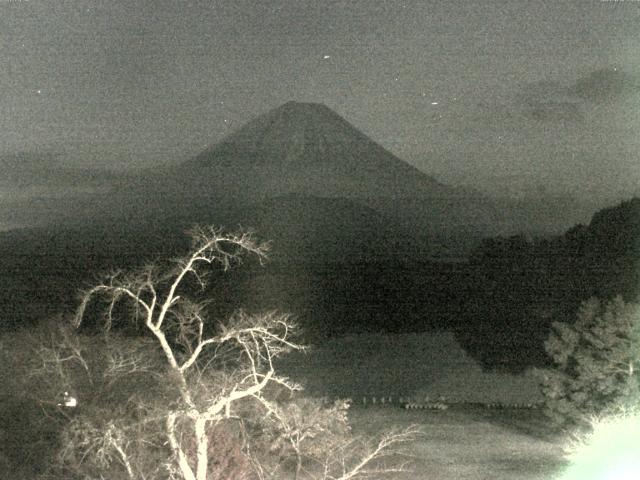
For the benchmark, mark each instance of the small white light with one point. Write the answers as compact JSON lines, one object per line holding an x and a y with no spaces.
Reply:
{"x":434,"y":103}
{"x":70,"y":400}
{"x":326,"y":57}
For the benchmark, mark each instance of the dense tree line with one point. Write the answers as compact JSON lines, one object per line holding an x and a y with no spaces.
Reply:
{"x":524,"y":284}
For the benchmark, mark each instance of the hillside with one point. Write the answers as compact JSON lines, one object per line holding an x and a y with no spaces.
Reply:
{"x":524,"y":284}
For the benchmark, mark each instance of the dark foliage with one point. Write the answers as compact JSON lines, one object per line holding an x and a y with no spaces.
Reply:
{"x":501,"y":303}
{"x":524,"y":283}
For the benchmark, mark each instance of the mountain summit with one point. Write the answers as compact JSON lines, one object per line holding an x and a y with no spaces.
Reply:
{"x":303,"y":148}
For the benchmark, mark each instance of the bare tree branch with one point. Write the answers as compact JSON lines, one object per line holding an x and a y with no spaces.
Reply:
{"x":211,"y":373}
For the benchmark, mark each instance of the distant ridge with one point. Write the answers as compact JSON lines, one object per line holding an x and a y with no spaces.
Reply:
{"x":308,"y":150}
{"x":303,"y":148}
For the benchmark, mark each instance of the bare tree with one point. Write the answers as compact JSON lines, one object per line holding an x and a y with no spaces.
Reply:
{"x":319,"y":436}
{"x":205,"y":376}
{"x":178,"y":325}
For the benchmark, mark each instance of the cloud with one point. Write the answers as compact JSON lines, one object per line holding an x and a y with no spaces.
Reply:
{"x":606,"y":85}
{"x":555,"y":111}
{"x":549,"y":101}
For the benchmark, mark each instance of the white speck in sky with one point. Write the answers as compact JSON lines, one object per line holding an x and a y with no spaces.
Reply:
{"x":434,"y":103}
{"x":38,"y":92}
{"x":325,"y":57}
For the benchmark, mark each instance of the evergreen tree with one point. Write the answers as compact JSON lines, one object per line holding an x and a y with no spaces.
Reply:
{"x":596,"y":361}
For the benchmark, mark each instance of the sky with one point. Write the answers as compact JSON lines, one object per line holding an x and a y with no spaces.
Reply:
{"x":506,"y":96}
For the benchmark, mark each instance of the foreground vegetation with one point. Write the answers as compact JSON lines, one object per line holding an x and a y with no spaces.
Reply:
{"x":149,"y":387}
{"x":141,"y":384}
{"x":471,"y":442}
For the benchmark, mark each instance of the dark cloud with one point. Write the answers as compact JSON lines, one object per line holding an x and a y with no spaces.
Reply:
{"x":550,"y":101}
{"x":606,"y":85}
{"x":555,"y":111}
{"x":44,"y":173}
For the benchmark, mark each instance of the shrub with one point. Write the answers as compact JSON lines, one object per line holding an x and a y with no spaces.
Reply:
{"x":596,"y":362}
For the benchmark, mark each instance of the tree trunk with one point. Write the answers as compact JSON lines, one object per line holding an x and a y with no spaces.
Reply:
{"x":183,"y":463}
{"x":298,"y":465}
{"x":203,"y":446}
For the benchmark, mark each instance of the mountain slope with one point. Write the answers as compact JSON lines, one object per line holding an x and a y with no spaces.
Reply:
{"x":307,"y":149}
{"x":302,"y":148}
{"x":318,"y":230}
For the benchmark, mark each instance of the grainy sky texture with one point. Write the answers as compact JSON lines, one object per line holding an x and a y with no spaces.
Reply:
{"x":485,"y":93}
